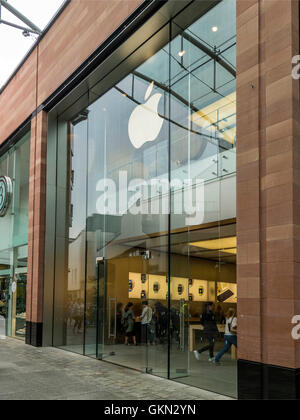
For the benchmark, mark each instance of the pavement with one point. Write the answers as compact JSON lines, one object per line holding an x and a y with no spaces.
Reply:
{"x":28,"y":373}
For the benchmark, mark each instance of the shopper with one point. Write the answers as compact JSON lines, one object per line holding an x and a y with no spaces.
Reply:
{"x":175,"y":324}
{"x":78,"y":315}
{"x":146,"y":319}
{"x":129,"y":324}
{"x":208,"y":320}
{"x":230,"y":334}
{"x":220,"y":317}
{"x":161,"y":322}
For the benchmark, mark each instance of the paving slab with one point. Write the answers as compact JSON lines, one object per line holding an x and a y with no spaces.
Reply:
{"x":29,"y":373}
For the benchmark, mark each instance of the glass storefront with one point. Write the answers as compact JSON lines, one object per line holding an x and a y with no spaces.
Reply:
{"x":14,"y":166}
{"x":146,"y":206}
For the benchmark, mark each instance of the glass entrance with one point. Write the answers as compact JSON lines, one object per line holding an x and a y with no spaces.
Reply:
{"x":145,"y":211}
{"x":13,"y":283}
{"x":122,"y":286}
{"x":19,"y":304}
{"x":133,"y":314}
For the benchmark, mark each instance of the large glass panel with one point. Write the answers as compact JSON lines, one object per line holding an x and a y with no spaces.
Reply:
{"x":128,"y":174}
{"x":145,"y":234}
{"x":21,"y":193}
{"x":203,"y":150}
{"x":70,"y":282}
{"x":6,"y":223}
{"x":13,"y":241}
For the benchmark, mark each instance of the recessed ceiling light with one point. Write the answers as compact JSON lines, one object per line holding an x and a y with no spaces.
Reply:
{"x":215,"y":29}
{"x":217,"y":244}
{"x":181,"y":53}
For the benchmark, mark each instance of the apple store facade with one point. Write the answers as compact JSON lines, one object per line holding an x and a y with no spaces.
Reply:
{"x":153,"y":147}
{"x":141,"y":200}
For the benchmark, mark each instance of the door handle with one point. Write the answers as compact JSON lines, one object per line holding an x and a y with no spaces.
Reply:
{"x":110,"y":301}
{"x":182,"y":305}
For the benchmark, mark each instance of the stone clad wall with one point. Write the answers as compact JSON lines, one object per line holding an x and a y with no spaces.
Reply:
{"x":268,"y":193}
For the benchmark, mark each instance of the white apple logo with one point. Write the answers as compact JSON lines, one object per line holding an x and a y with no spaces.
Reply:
{"x":145,"y":123}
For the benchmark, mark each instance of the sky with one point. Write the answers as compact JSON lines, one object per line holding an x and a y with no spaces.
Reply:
{"x":13,"y":45}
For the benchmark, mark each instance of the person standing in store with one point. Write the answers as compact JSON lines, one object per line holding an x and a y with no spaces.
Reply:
{"x":146,"y":319}
{"x":129,"y":324}
{"x":210,"y":331}
{"x":161,"y":321}
{"x":230,"y":334}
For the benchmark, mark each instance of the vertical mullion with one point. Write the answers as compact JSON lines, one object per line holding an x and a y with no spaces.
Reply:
{"x":86,"y":239}
{"x":170,"y":202}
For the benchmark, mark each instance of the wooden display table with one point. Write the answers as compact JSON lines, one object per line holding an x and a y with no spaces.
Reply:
{"x":199,"y":327}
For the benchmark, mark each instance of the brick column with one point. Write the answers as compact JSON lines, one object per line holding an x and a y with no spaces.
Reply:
{"x":36,"y":230}
{"x":268,"y":197}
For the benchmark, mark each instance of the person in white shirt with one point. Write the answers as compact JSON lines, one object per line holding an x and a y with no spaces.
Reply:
{"x":146,"y":319}
{"x":230,"y":334}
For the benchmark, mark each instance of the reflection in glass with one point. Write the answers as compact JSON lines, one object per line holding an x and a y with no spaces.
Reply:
{"x":71,"y":279}
{"x":19,"y":292}
{"x":13,"y":242}
{"x":141,"y":147}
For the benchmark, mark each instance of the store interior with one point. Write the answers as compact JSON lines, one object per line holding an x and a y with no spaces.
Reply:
{"x":203,"y":270}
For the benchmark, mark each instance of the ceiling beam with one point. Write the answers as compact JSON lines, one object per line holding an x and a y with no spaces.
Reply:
{"x":215,"y":56}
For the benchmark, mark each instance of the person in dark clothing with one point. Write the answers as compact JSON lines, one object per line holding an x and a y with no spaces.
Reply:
{"x":208,"y":320}
{"x":220,"y":316}
{"x":175,"y":324}
{"x":129,"y":324}
{"x":161,"y":321}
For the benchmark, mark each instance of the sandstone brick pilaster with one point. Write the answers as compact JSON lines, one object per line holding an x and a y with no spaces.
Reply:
{"x":37,"y":220}
{"x":267,"y":174}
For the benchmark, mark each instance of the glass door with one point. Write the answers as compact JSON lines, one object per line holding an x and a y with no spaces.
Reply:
{"x":133,"y":310}
{"x":121,"y":289}
{"x":19,"y":303}
{"x":155,"y":266}
{"x":101,"y":307}
{"x":179,"y":308}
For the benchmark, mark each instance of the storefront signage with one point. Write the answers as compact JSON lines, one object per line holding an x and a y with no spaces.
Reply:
{"x":5,"y":194}
{"x":145,"y":123}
